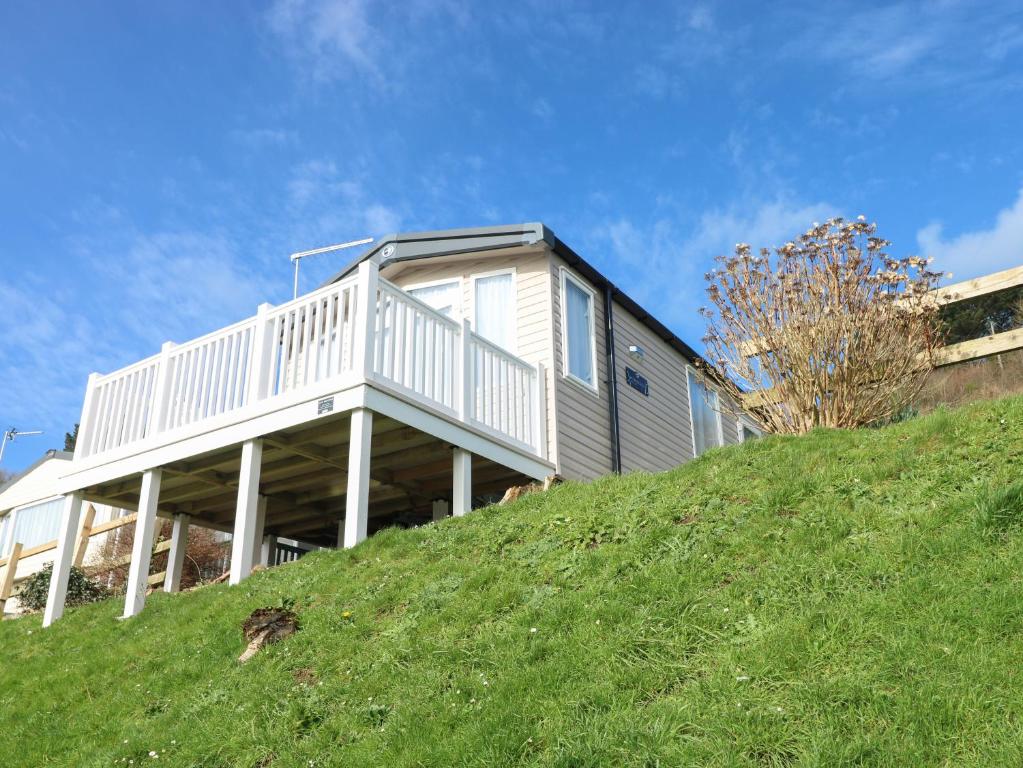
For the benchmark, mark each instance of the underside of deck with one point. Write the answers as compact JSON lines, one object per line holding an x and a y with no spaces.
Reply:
{"x":303,"y":477}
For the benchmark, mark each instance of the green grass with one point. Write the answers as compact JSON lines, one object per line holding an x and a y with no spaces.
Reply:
{"x":847,"y":598}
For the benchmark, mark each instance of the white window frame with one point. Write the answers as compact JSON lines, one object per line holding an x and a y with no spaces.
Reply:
{"x":513,"y":318}
{"x":566,"y":275}
{"x":692,"y":420}
{"x":457,"y":280}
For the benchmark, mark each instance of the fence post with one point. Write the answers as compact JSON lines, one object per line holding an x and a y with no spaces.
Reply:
{"x":466,"y":374}
{"x":256,"y":387}
{"x":83,"y":536}
{"x":162,"y":391}
{"x":8,"y":583}
{"x":365,"y":320}
{"x":540,"y":411}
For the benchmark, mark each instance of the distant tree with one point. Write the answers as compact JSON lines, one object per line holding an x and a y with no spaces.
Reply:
{"x":829,"y":330}
{"x":70,"y":439}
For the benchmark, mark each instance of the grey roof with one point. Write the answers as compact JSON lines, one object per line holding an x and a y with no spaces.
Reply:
{"x":409,"y":246}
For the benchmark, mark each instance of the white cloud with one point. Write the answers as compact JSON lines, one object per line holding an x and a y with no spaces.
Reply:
{"x":917,"y":43}
{"x":323,"y":31}
{"x":701,"y":18}
{"x":542,"y":109}
{"x":257,"y":138}
{"x":141,"y":290}
{"x":977,"y":253}
{"x":371,"y":39}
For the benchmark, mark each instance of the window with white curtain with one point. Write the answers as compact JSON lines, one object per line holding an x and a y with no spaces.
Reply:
{"x":37,"y":524}
{"x":494,"y":297}
{"x":578,"y":330}
{"x":444,"y":297}
{"x":5,"y":523}
{"x":703,"y":403}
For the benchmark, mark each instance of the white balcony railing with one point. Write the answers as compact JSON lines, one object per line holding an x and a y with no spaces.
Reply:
{"x":405,"y":346}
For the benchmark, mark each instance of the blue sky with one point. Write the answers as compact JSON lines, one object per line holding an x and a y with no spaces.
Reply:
{"x":159,"y":161}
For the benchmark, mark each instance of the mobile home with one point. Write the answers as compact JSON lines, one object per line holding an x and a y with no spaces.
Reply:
{"x":423,"y":379}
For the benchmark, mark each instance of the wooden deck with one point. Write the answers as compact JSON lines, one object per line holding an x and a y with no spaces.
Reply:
{"x":324,"y":419}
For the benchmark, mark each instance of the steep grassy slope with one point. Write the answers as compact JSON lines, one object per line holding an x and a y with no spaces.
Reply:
{"x":848,"y":598}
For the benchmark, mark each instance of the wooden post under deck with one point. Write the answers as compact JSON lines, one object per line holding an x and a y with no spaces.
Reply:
{"x":176,"y":559}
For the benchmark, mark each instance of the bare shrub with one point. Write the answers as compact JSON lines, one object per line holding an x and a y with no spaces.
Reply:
{"x":828,"y":330}
{"x":205,"y":557}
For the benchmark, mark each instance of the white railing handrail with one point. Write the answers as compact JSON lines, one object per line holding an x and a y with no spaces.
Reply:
{"x":105,"y":377}
{"x":499,"y":350}
{"x":418,"y":303}
{"x":367,"y":329}
{"x":305,"y":298}
{"x":227,"y":330}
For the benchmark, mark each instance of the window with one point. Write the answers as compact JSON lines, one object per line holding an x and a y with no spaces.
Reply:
{"x":37,"y":524}
{"x":444,"y":297}
{"x":747,"y":431}
{"x":703,"y":404}
{"x":578,"y":330}
{"x":494,"y":301}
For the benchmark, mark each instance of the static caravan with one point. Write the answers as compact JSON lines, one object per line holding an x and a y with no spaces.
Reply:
{"x":623,"y":392}
{"x":30,"y":517}
{"x":422,"y":380}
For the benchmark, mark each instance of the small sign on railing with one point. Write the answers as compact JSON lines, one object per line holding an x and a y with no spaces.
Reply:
{"x":326,"y":405}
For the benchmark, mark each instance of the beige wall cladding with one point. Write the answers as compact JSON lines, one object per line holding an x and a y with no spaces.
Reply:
{"x":584,"y":428}
{"x":656,"y":433}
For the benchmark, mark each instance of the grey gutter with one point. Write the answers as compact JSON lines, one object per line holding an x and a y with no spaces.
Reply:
{"x":612,"y":382}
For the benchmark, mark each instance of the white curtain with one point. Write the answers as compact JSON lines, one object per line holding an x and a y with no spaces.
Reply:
{"x":443,"y":297}
{"x":37,"y":524}
{"x":495,"y":319}
{"x":705,"y":416}
{"x":579,"y":321}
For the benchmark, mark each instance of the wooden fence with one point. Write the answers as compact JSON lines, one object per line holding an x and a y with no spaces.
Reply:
{"x":10,"y":578}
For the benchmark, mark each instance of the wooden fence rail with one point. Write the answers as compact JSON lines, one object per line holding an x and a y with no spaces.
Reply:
{"x":10,"y":564}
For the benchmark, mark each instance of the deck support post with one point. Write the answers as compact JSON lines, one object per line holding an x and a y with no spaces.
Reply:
{"x":441,"y":509}
{"x":461,"y":497}
{"x":357,"y":496}
{"x":267,"y":550}
{"x":142,"y":544}
{"x":257,"y":540}
{"x":176,"y":558}
{"x":244,"y":536}
{"x":62,"y":560}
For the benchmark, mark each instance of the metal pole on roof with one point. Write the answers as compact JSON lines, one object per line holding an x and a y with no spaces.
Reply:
{"x":12,"y":433}
{"x":297,"y":257}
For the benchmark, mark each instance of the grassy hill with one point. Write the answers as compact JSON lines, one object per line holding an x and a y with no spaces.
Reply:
{"x":847,"y":598}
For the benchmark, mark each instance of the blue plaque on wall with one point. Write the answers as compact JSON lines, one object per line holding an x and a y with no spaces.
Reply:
{"x":636,"y":381}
